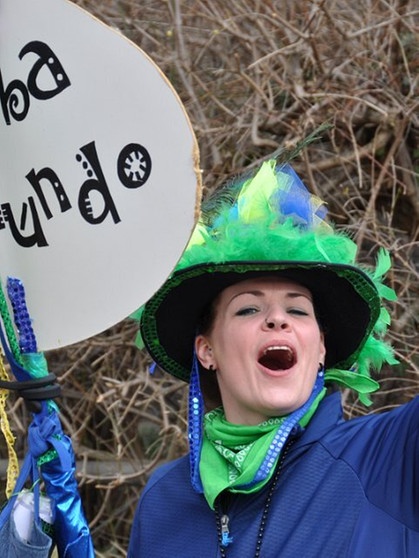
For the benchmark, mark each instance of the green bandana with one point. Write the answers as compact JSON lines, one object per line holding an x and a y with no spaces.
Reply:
{"x":231,"y":454}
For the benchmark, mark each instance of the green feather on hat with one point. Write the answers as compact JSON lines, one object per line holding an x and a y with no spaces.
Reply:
{"x":269,"y":224}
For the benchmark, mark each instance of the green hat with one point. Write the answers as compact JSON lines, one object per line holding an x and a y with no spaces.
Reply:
{"x":269,"y":224}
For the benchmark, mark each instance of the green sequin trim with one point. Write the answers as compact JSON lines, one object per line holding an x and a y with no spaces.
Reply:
{"x":46,"y":457}
{"x":361,"y":283}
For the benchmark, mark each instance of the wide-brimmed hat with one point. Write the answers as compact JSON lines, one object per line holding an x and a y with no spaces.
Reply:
{"x":269,"y":224}
{"x":346,"y":301}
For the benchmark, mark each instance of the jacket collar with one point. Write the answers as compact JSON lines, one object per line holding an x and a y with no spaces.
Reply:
{"x":327,"y":416}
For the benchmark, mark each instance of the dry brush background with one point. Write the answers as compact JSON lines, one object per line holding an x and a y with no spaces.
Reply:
{"x":254,"y":76}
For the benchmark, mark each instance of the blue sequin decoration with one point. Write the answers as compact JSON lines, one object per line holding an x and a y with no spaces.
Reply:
{"x":283,"y":432}
{"x":285,"y":429}
{"x":16,"y":294}
{"x":195,"y":425}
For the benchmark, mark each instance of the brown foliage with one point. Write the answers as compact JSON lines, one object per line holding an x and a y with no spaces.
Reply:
{"x":255,"y":76}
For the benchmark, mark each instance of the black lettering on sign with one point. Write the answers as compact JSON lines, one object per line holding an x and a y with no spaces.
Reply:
{"x":50,"y":64}
{"x":134,"y":165}
{"x":46,"y":79}
{"x":96,"y":184}
{"x":48,"y":174}
{"x":14,"y":100}
{"x":35,"y":238}
{"x":95,"y":202}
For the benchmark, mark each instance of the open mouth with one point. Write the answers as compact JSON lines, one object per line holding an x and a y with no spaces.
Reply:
{"x":279,"y":357}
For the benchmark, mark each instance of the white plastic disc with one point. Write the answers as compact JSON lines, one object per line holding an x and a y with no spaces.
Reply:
{"x":98,"y":169}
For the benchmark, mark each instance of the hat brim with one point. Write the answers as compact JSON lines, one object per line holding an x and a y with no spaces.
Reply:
{"x":346,"y":301}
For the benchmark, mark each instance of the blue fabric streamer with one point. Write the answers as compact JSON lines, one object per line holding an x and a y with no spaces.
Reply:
{"x":45,"y":432}
{"x":71,"y":531}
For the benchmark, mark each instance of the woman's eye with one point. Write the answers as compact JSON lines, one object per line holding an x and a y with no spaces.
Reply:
{"x":298,"y":312}
{"x":246,"y":311}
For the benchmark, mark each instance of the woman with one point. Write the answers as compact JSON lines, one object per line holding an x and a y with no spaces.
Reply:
{"x":265,"y":308}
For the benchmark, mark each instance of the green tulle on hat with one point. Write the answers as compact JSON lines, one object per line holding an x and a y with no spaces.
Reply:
{"x":269,"y":223}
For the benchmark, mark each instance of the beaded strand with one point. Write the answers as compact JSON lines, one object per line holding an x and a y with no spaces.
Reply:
{"x":265,"y":512}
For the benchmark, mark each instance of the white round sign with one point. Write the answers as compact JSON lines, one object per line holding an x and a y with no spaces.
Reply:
{"x":98,"y":169}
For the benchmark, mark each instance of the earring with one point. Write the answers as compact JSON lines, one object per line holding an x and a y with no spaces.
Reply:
{"x":211,"y":368}
{"x":321,"y":367}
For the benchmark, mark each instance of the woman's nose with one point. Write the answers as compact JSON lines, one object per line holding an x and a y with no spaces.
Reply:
{"x":276,"y":322}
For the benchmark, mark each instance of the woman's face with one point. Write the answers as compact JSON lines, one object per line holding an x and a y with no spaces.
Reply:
{"x":265,"y":345}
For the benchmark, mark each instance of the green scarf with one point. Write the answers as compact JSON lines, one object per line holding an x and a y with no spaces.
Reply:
{"x":232,"y":454}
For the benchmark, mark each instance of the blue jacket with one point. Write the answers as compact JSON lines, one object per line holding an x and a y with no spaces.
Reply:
{"x":347,"y":489}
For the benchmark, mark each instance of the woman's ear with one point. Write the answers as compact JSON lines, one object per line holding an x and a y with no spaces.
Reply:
{"x":322,"y":352}
{"x":203,"y":352}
